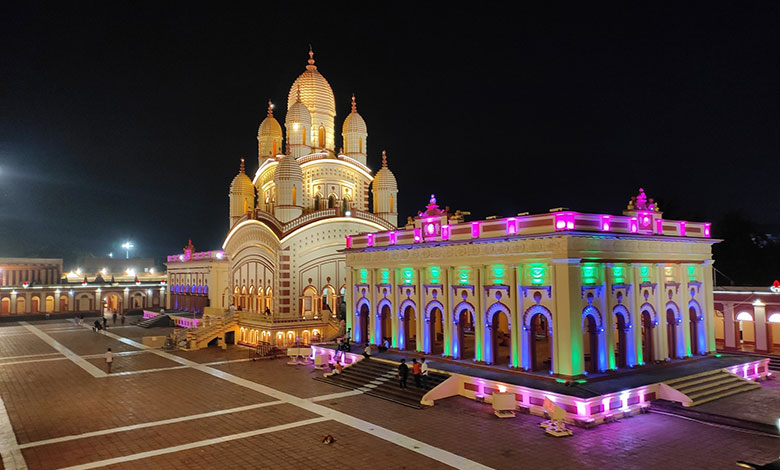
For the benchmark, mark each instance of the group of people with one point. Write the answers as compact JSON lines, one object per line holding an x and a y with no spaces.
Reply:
{"x":419,"y":373}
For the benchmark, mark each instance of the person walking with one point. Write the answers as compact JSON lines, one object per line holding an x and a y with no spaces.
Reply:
{"x":113,"y":317}
{"x":403,"y":373}
{"x":424,"y":372}
{"x":109,"y":359}
{"x":416,"y":369}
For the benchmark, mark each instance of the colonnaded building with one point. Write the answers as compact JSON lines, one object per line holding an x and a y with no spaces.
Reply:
{"x":279,"y":264}
{"x":564,"y":292}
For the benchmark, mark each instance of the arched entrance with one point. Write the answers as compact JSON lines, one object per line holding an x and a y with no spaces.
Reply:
{"x":113,"y":302}
{"x":537,"y":338}
{"x":407,"y":336}
{"x":434,"y":330}
{"x":5,"y":305}
{"x":49,"y":305}
{"x":621,"y":328}
{"x":590,"y":344}
{"x":671,"y":333}
{"x":361,"y":333}
{"x":500,"y":339}
{"x":63,"y":303}
{"x":35,"y":304}
{"x":385,"y":327}
{"x":21,"y":307}
{"x":465,"y":342}
{"x":648,"y":350}
{"x":698,"y":344}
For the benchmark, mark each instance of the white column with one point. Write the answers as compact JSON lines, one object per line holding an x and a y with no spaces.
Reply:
{"x":759,"y":320}
{"x":708,"y":308}
{"x":729,"y":326}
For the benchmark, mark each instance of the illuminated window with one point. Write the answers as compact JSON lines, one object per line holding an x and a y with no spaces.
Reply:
{"x":744,"y":316}
{"x":391,"y":203}
{"x":294,"y":195}
{"x":322,"y":136}
{"x":360,"y":145}
{"x":303,"y":135}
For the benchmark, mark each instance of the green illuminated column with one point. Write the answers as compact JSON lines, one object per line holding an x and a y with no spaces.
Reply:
{"x":350,"y":313}
{"x":447,"y":313}
{"x":420,"y":323}
{"x":637,"y":299}
{"x":609,"y":319}
{"x":709,"y":309}
{"x":681,"y":276}
{"x":479,"y":321}
{"x":373,"y":311}
{"x":514,"y":281}
{"x":659,"y":302}
{"x":395,"y":296}
{"x":568,"y":359}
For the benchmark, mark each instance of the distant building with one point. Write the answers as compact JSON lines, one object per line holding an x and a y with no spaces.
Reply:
{"x":36,"y":285}
{"x":748,"y":318}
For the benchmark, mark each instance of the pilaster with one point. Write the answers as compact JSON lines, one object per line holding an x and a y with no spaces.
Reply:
{"x":568,"y":359}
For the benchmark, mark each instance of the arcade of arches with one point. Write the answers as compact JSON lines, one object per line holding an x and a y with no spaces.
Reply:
{"x":564,"y":316}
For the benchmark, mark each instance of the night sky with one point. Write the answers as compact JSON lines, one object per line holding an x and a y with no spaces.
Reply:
{"x":127,"y":121}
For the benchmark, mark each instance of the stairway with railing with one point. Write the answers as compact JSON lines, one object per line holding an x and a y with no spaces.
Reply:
{"x":210,"y":329}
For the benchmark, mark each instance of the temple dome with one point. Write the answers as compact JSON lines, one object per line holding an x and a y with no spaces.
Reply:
{"x":385,"y":179}
{"x":242,"y":184}
{"x":354,"y":122}
{"x":315,"y":91}
{"x":288,"y":169}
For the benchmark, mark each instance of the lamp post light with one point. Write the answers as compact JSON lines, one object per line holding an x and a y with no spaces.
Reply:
{"x":127,"y":246}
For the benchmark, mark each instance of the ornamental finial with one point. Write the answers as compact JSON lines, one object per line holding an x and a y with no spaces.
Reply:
{"x":354,"y":104}
{"x":311,"y":65}
{"x":433,"y":199}
{"x":384,"y":159}
{"x":270,"y":109}
{"x":241,"y":167}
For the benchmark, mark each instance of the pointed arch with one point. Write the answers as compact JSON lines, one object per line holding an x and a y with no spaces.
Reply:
{"x":674,"y":308}
{"x":697,"y":328}
{"x":537,"y":310}
{"x":431,"y":323}
{"x":624,"y":339}
{"x":405,"y":312}
{"x":647,"y":307}
{"x":466,"y":310}
{"x":593,"y":327}
{"x":362,"y":312}
{"x":491,"y":331}
{"x":592,"y":311}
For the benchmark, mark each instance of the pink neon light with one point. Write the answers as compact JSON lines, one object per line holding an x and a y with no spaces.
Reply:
{"x":445,"y":232}
{"x":570,"y":224}
{"x":370,"y":239}
{"x":393,"y":238}
{"x":417,"y":235}
{"x":430,"y":229}
{"x":511,"y":226}
{"x":475,"y":230}
{"x":560,"y":224}
{"x":633,"y":225}
{"x":659,"y":226}
{"x":581,"y":408}
{"x":605,"y":402}
{"x":605,"y":223}
{"x":707,"y":230}
{"x":755,"y":368}
{"x":349,"y":241}
{"x":682,"y":228}
{"x":644,"y":219}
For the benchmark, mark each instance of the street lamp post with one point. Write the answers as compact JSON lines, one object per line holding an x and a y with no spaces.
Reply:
{"x":127,"y":246}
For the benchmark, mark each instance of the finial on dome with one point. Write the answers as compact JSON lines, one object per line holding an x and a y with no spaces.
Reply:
{"x":384,"y":159}
{"x":270,"y":109}
{"x":354,"y":104}
{"x":311,"y":65}
{"x":241,"y":167}
{"x":433,"y":199}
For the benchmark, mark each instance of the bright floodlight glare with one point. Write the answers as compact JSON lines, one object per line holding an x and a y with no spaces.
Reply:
{"x":127,"y":245}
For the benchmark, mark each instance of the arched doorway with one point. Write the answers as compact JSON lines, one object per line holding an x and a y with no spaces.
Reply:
{"x":63,"y":303}
{"x":590,"y":344}
{"x":648,"y":350}
{"x":385,"y":328}
{"x":434,"y":333}
{"x":35,"y":304}
{"x":540,"y":343}
{"x":306,"y":337}
{"x":621,"y":350}
{"x":361,"y":335}
{"x":309,"y":302}
{"x":49,"y":306}
{"x":746,"y":328}
{"x":21,"y":307}
{"x":5,"y":305}
{"x":408,"y":328}
{"x":695,"y":327}
{"x":328,"y":302}
{"x":465,"y":342}
{"x":671,"y":333}
{"x":500,"y":339}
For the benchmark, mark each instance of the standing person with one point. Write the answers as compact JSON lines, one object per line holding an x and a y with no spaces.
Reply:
{"x":96,"y":326}
{"x":113,"y":317}
{"x":424,"y":372}
{"x":109,"y":359}
{"x":367,"y":352}
{"x":339,"y":350}
{"x":105,"y":322}
{"x":416,"y":369}
{"x":403,"y":372}
{"x":123,"y":320}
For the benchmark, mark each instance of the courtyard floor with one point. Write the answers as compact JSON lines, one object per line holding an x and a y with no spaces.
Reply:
{"x":217,"y":409}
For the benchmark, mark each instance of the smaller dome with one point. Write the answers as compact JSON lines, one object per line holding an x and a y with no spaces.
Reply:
{"x":299,"y":113}
{"x":384,"y":178}
{"x":288,"y":169}
{"x":241,"y":183}
{"x":270,"y":126}
{"x":354,"y":122}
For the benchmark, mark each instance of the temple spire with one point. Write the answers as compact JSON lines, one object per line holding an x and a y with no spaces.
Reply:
{"x":270,"y":109}
{"x":384,"y":159}
{"x":354,"y":104}
{"x":241,"y":167}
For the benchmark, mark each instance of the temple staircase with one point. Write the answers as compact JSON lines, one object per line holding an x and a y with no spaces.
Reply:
{"x":212,"y":327}
{"x":704,"y":387}
{"x":156,"y":321}
{"x":380,"y":379}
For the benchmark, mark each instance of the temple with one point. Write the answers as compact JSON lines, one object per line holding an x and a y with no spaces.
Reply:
{"x":563,"y":293}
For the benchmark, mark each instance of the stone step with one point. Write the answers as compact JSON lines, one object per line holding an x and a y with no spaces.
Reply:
{"x":730,"y":386}
{"x":681,"y":381}
{"x":724,"y":393}
{"x":714,"y":381}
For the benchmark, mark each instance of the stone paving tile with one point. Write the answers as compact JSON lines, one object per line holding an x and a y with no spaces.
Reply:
{"x":468,"y":428}
{"x":22,"y":343}
{"x":53,"y":399}
{"x":135,"y":362}
{"x":87,"y":342}
{"x":296,"y":448}
{"x":213,"y":354}
{"x":295,"y":380}
{"x":112,"y":445}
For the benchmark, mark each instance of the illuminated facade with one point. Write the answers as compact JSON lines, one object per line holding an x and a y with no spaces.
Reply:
{"x":282,"y":267}
{"x":565,"y":292}
{"x":748,"y":318}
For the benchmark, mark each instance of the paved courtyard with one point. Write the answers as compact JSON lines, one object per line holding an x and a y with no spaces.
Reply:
{"x":217,"y":409}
